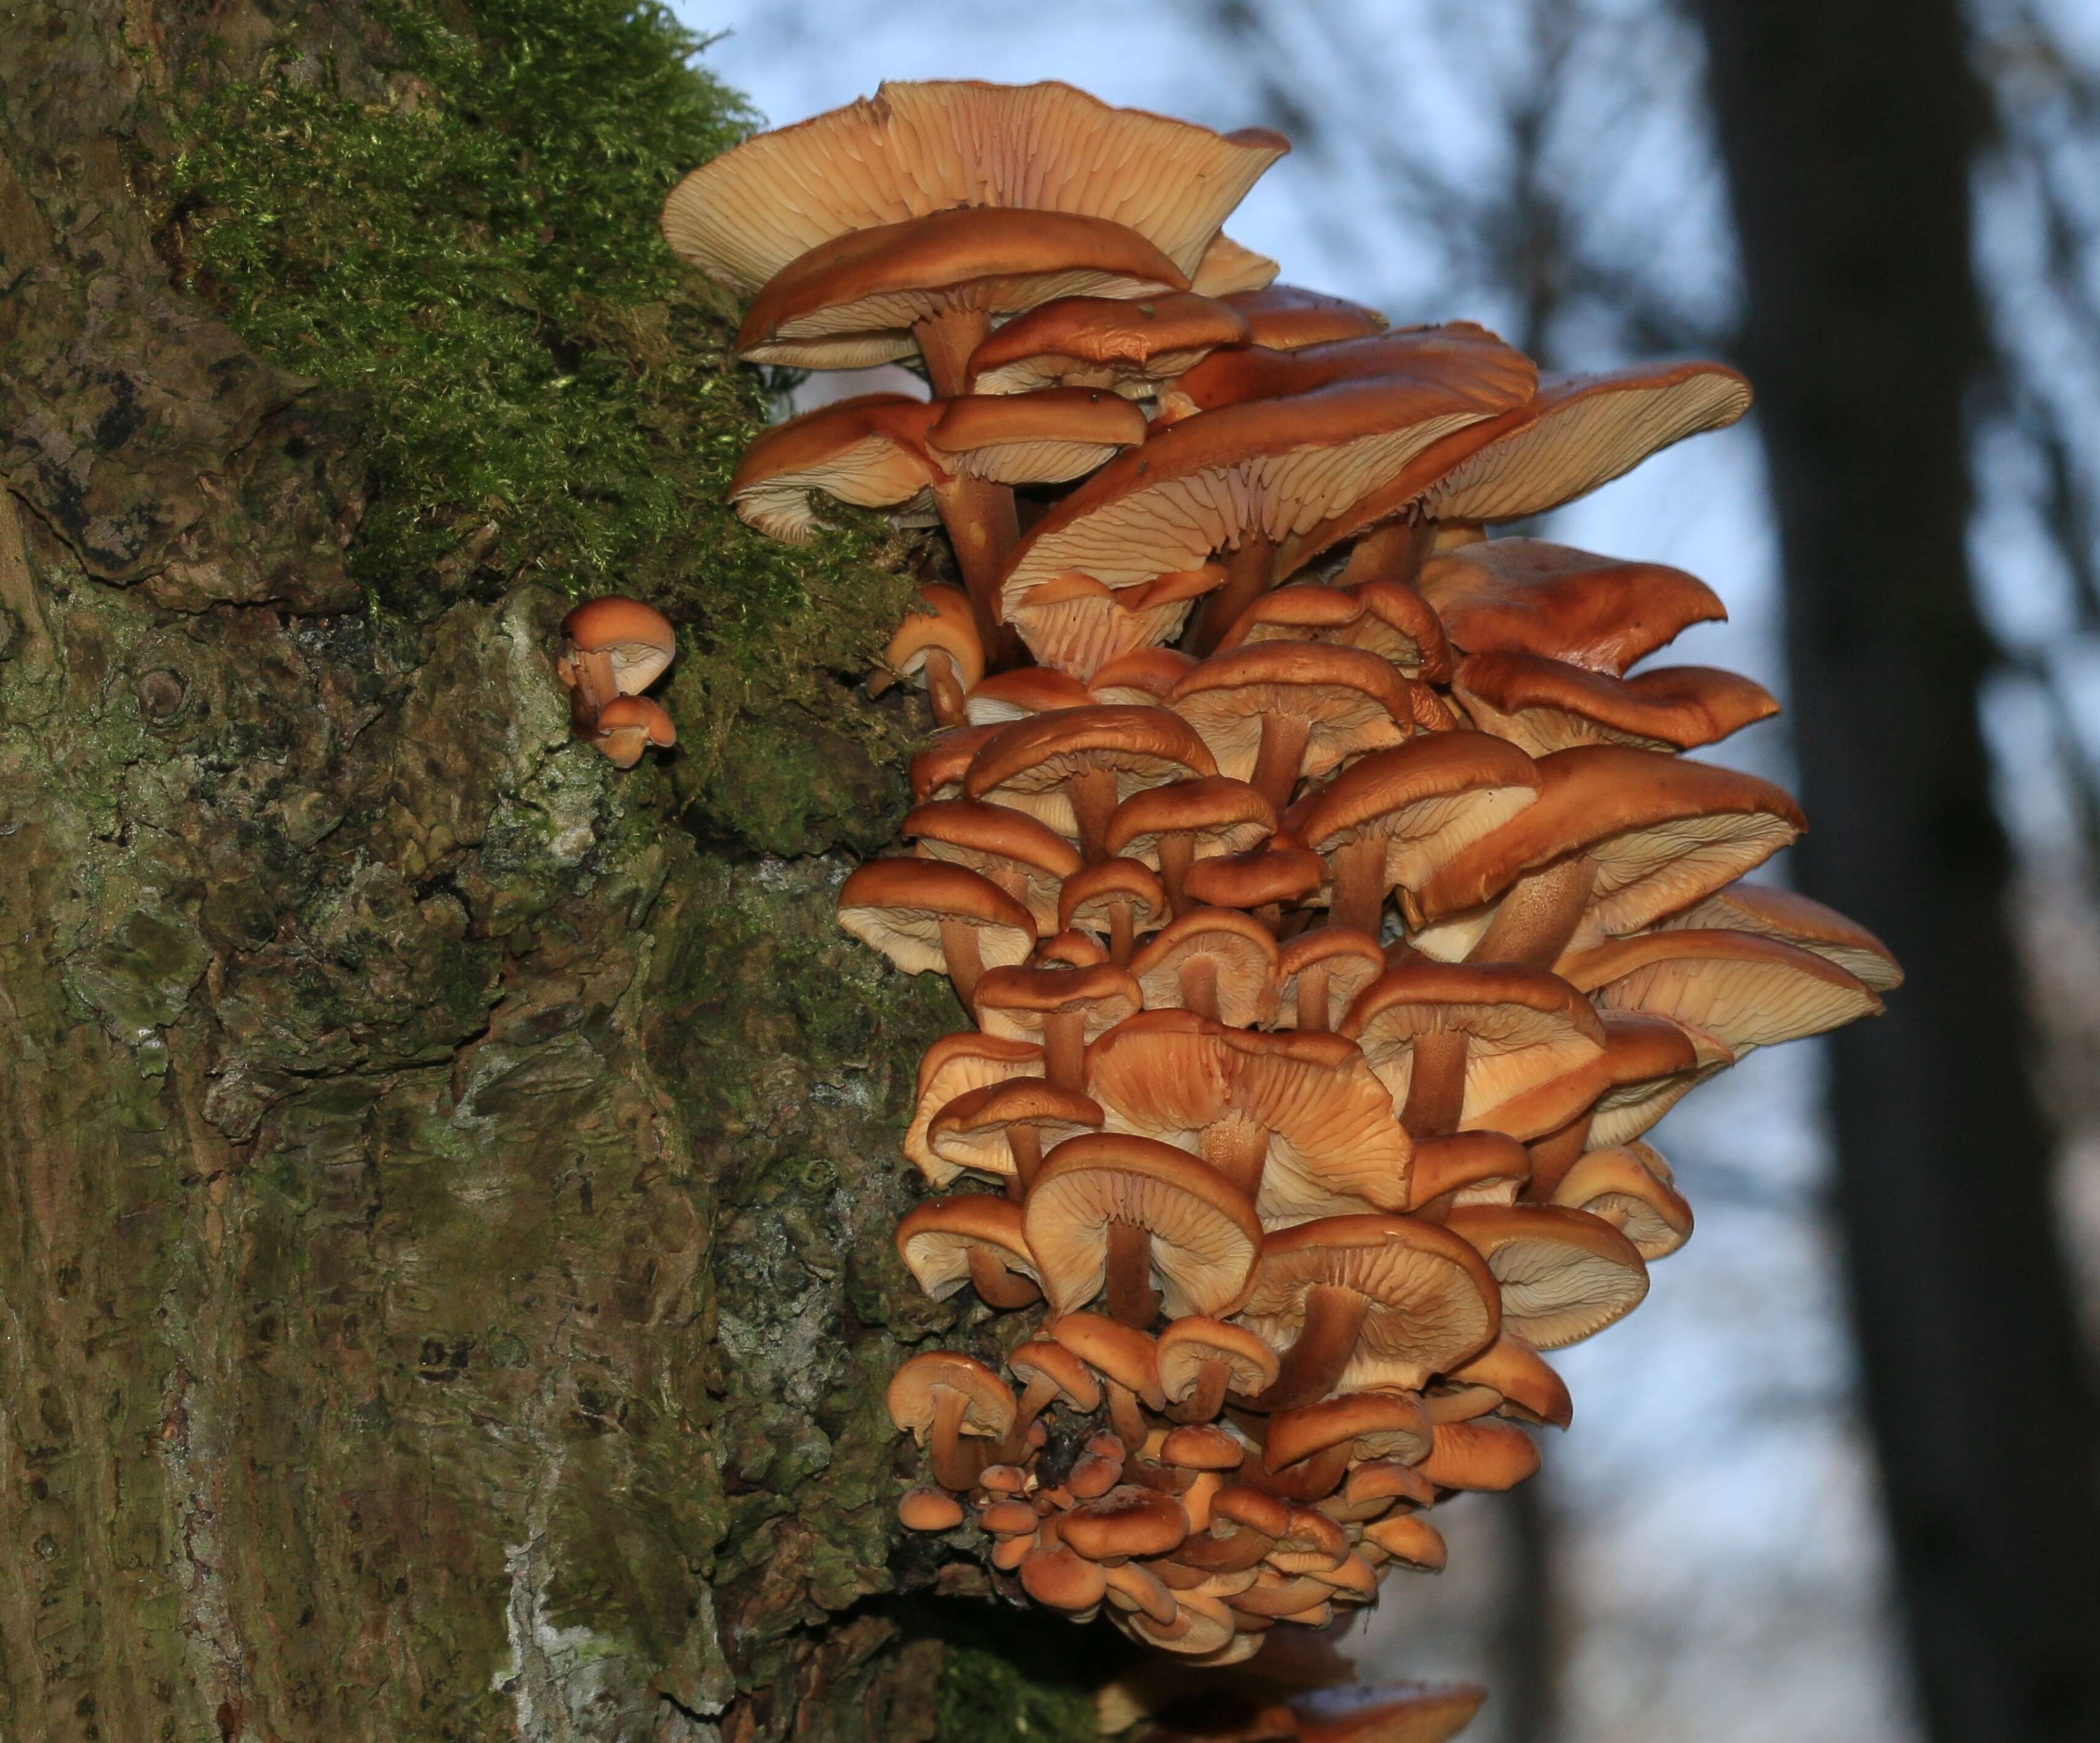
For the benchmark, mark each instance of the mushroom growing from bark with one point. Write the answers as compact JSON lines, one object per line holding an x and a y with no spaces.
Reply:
{"x":1351,"y":1173}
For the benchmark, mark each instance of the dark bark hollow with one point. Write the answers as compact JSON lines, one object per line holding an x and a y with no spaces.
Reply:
{"x":448,"y":1274}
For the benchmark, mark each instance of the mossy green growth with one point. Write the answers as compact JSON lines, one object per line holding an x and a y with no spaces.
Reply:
{"x":1015,"y":1679}
{"x":471,"y":249}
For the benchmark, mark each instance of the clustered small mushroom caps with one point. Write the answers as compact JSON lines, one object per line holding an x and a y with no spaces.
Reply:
{"x":1336,"y":908}
{"x":613,"y":649}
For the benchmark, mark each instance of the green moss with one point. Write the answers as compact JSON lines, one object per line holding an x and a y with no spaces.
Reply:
{"x":470,"y":249}
{"x":1015,"y":1680}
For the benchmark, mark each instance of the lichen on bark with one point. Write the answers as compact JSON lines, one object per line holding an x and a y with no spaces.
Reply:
{"x":447,"y":1185}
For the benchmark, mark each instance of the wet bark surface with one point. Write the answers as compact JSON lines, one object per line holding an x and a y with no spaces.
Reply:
{"x":445,"y":1185}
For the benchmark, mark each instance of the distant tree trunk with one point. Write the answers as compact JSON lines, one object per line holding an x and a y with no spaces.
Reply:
{"x":446,"y":1203}
{"x":1848,"y":127}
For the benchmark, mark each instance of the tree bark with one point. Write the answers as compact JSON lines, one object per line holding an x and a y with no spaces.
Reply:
{"x":1848,"y":128}
{"x":447,"y":1186}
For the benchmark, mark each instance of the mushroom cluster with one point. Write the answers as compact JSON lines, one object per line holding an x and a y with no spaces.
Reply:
{"x":613,"y":649}
{"x":1335,"y":908}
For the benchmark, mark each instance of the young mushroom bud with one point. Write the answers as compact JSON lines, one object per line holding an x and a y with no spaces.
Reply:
{"x":612,"y":646}
{"x":627,"y":725}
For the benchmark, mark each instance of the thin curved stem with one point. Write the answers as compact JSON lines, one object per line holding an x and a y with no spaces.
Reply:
{"x":1312,"y":1366}
{"x":959,"y":949}
{"x":1247,"y":575}
{"x":1535,"y":918}
{"x":1281,"y":757}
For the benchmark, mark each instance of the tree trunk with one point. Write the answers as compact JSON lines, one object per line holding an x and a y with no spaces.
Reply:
{"x":1847,"y":127}
{"x":447,"y":1185}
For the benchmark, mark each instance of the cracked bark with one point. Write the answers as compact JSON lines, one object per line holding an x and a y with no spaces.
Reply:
{"x":445,"y":1205}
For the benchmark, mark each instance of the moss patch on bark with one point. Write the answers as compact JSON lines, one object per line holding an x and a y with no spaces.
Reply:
{"x":545,"y":391}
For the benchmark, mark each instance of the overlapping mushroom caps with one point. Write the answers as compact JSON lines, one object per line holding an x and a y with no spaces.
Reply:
{"x":1325,"y":974}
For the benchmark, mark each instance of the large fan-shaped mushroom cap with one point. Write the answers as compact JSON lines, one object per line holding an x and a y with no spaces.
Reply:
{"x":1582,"y":431}
{"x":1259,"y":470}
{"x":1743,"y":990}
{"x":1663,"y":832}
{"x":1565,"y":1275}
{"x":1526,"y":596}
{"x":1545,"y":705}
{"x":920,"y":146}
{"x":1797,"y":920}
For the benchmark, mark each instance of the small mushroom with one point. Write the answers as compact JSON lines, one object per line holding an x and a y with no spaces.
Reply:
{"x":612,"y":646}
{"x":1111,"y":1210}
{"x":941,"y":1396}
{"x":627,"y":725}
{"x":1355,"y":1302}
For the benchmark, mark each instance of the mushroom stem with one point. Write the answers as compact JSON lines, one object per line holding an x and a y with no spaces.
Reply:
{"x":1122,"y":933}
{"x":982,"y":526}
{"x":998,"y":1287}
{"x":1359,"y":886}
{"x":1093,"y":792}
{"x":1177,"y":853}
{"x":1206,"y":1397}
{"x":1394,"y":552}
{"x":1039,"y":1394}
{"x":596,"y":685}
{"x":1027,"y":1147}
{"x":1064,"y":1048}
{"x":1246,"y":580}
{"x":1124,"y":1416}
{"x":1535,"y":918}
{"x":1311,"y":1367}
{"x":1313,"y":1012}
{"x":945,"y":340}
{"x":978,"y":514}
{"x":1199,"y":986}
{"x":1436,"y":1085}
{"x":1281,"y":757}
{"x":944,"y":688}
{"x":1238,"y":1149}
{"x":1131,"y":1296}
{"x":955,"y":1466}
{"x":1553,"y":1155}
{"x":959,"y":948}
